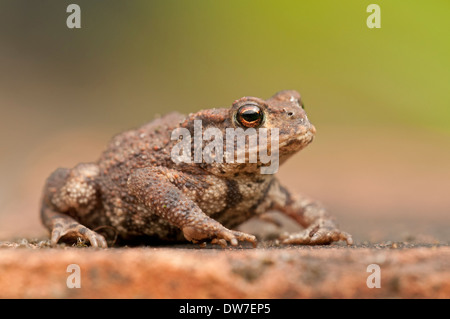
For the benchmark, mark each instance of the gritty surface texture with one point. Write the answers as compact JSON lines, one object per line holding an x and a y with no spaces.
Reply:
{"x":33,"y":270}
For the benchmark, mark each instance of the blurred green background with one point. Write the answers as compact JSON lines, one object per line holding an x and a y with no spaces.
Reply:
{"x":379,"y":97}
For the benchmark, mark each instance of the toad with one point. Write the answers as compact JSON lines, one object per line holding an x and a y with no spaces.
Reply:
{"x":138,"y":190}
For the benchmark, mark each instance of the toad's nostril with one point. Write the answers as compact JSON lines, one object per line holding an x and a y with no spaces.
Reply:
{"x":290,"y":113}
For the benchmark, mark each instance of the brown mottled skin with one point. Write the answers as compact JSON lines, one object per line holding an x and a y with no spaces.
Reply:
{"x":135,"y":190}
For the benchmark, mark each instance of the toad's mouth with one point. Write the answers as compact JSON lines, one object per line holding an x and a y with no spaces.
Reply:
{"x":303,"y":138}
{"x":293,"y":143}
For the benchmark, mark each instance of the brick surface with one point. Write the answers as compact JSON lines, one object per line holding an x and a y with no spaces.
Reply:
{"x":271,"y":272}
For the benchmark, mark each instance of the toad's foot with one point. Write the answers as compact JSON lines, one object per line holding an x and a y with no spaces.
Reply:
{"x":318,"y":235}
{"x":221,"y":236}
{"x":72,"y":231}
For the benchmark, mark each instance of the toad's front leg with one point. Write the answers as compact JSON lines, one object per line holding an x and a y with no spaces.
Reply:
{"x":320,"y":227}
{"x":156,"y":188}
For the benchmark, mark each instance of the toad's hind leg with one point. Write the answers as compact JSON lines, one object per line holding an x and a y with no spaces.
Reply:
{"x":69,"y":195}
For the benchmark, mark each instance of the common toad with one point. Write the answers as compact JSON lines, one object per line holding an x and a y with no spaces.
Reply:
{"x":138,"y":190}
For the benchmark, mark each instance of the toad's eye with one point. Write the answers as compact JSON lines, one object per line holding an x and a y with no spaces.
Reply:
{"x":250,"y":115}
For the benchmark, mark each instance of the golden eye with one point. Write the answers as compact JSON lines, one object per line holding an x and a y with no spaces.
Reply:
{"x":250,"y":115}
